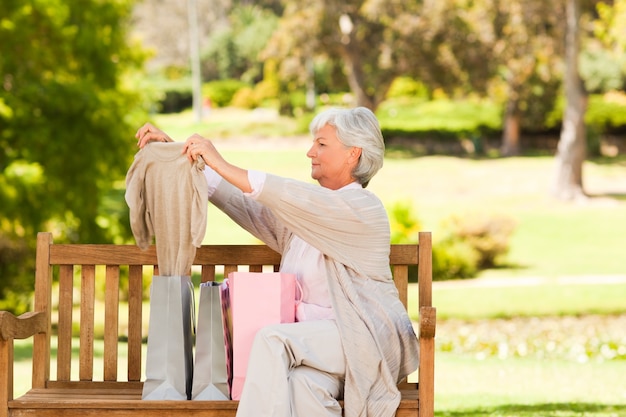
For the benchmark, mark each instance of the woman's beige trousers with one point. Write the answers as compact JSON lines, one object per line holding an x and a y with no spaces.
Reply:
{"x":295,"y":370}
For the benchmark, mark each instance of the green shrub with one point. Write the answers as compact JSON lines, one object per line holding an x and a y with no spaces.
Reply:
{"x":267,"y":89}
{"x":454,"y":259}
{"x":403,"y":222}
{"x":604,"y":112}
{"x":487,"y":234}
{"x":465,"y":244}
{"x":407,"y":87}
{"x":221,"y":92}
{"x":443,"y":118}
{"x":245,"y":98}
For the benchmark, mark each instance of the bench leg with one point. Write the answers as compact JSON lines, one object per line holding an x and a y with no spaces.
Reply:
{"x":6,"y":378}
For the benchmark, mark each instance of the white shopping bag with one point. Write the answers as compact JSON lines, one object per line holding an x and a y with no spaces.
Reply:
{"x":210,"y":375}
{"x":169,"y":357}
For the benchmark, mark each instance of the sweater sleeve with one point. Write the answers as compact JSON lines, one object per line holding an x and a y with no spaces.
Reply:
{"x":135,"y":198}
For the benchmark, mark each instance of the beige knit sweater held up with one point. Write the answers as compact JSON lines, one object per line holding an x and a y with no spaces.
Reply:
{"x":167,"y":197}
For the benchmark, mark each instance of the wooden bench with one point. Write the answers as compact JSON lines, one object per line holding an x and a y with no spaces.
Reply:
{"x":69,"y":292}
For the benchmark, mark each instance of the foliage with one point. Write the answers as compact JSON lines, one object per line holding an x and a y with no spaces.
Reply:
{"x":70,"y":107}
{"x":488,"y":234}
{"x":467,"y":244}
{"x":232,"y":50}
{"x":245,"y":98}
{"x":407,"y":87}
{"x":601,"y":70}
{"x":221,"y":92}
{"x":463,"y":247}
{"x":440,"y":118}
{"x":171,"y":91}
{"x":454,"y":259}
{"x":404,"y":223}
{"x":605,"y":112}
{"x":376,"y":42}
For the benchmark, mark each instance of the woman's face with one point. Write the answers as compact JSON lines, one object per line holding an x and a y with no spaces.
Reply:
{"x":332,"y":162}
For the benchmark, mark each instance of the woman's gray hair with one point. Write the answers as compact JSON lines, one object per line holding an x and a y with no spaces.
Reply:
{"x":357,"y":127}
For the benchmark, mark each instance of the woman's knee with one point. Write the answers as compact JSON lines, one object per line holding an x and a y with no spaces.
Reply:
{"x":314,"y":392}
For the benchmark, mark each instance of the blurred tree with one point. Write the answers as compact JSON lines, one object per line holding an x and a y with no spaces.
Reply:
{"x":232,"y":51}
{"x":610,"y":31}
{"x":377,"y":41}
{"x":163,"y":26}
{"x":528,"y":51}
{"x":571,"y":152}
{"x":68,"y":113}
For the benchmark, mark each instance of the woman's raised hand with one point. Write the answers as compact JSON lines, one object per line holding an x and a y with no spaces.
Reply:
{"x":149,"y":133}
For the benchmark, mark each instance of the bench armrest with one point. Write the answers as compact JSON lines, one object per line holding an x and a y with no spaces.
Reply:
{"x":21,"y":327}
{"x":12,"y":327}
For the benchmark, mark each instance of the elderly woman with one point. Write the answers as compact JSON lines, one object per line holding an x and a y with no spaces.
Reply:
{"x":353,"y":338}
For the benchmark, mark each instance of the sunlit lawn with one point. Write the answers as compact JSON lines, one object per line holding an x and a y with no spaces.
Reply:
{"x":469,"y":386}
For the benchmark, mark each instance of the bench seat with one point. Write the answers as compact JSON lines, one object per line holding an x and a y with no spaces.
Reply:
{"x":122,"y":399}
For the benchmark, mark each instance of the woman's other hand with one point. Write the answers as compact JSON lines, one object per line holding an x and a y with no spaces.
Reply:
{"x":198,"y":147}
{"x":149,"y":133}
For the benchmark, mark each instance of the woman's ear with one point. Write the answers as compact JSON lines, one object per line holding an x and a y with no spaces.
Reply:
{"x":355,"y":153}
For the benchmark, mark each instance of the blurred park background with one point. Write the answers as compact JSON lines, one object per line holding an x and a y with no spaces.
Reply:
{"x":505,"y":124}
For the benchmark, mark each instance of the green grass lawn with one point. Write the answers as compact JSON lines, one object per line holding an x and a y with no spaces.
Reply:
{"x":550,"y":298}
{"x":469,"y":386}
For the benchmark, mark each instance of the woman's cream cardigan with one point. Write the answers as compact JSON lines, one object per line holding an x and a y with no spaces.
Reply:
{"x":350,"y":227}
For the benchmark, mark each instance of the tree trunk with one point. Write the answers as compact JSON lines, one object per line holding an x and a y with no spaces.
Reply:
{"x":352,"y":64}
{"x":356,"y":80}
{"x":511,"y":133}
{"x":571,"y":151}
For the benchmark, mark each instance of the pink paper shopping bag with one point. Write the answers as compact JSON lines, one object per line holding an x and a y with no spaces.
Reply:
{"x":257,"y":300}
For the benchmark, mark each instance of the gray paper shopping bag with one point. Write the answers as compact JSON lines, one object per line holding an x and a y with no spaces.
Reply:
{"x":169,"y":357}
{"x":210,"y":378}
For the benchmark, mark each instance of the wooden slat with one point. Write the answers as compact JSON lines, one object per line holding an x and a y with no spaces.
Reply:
{"x":132,"y":255}
{"x":6,"y":377}
{"x":401,"y":279}
{"x":403,"y":255}
{"x":96,"y":385}
{"x":43,"y":301}
{"x":425,"y":270}
{"x":228,"y":269}
{"x":87,"y":304}
{"x":111,"y":321}
{"x":208,"y":273}
{"x":135,"y":298}
{"x":64,"y":326}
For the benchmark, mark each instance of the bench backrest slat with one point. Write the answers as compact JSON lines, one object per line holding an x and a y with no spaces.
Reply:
{"x":64,"y":322}
{"x":87,"y":311}
{"x":135,"y":319}
{"x":111,"y":321}
{"x":84,"y":270}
